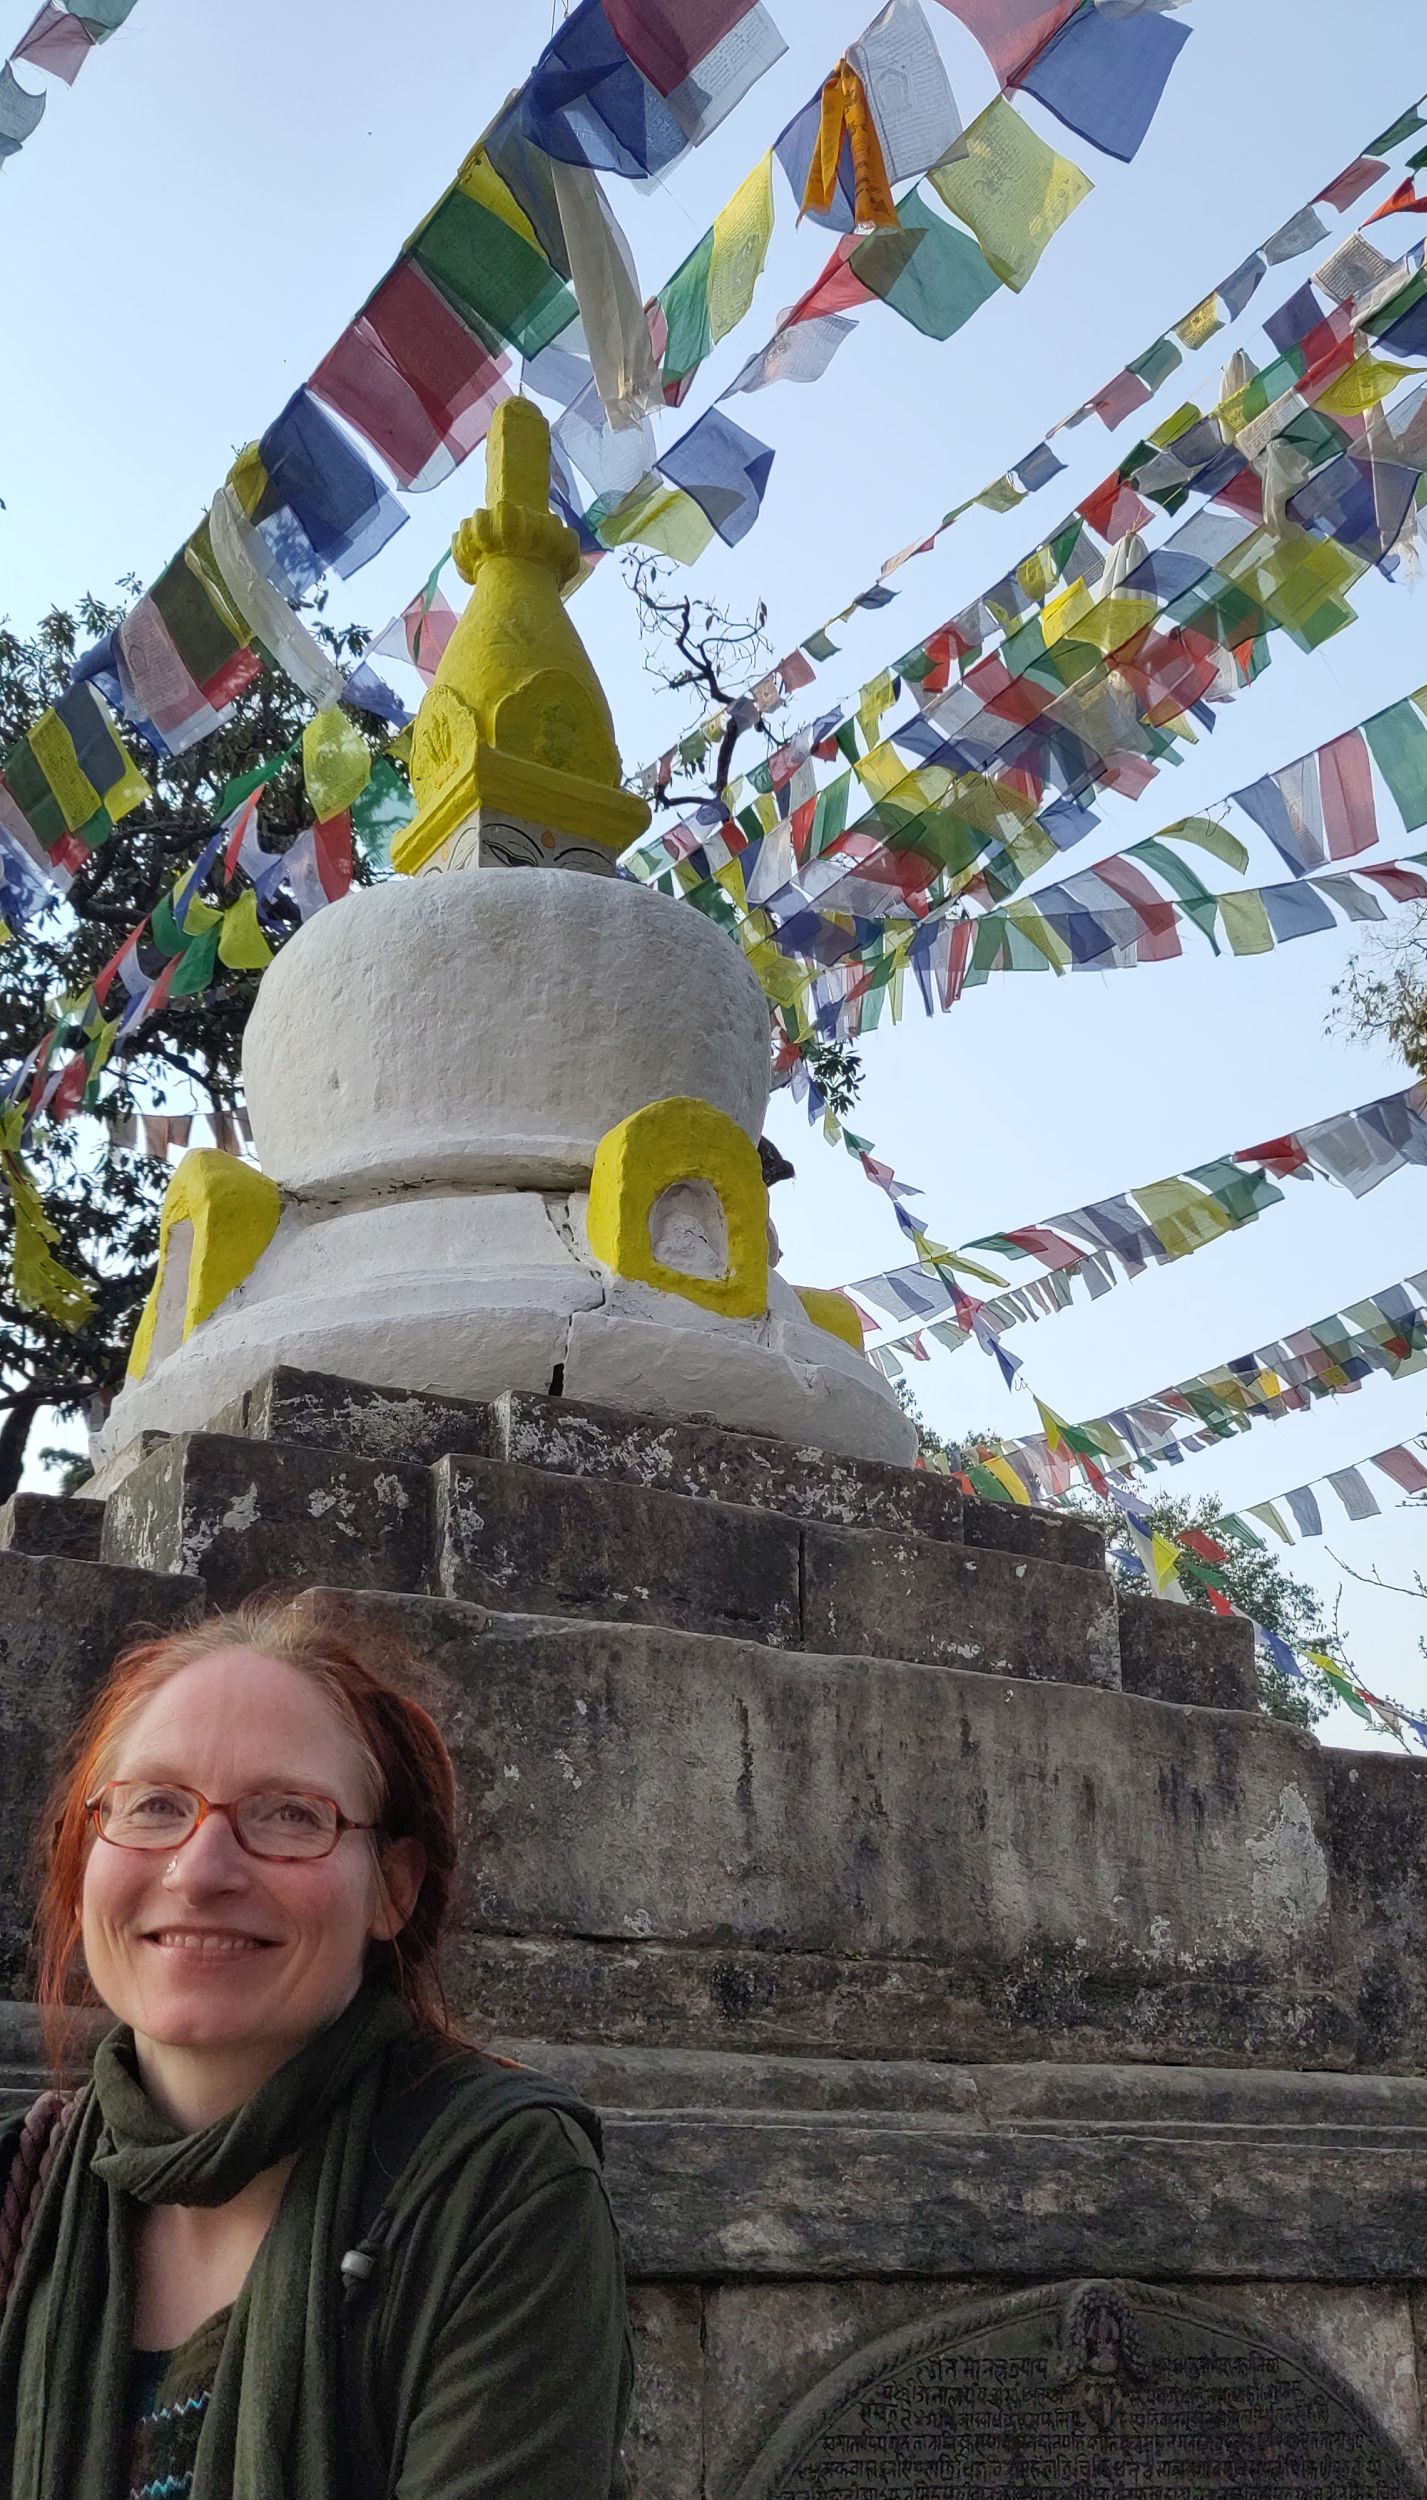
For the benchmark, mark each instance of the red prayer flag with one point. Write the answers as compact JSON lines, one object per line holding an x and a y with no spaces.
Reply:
{"x":1404,"y":197}
{"x":415,"y":382}
{"x":667,"y":39}
{"x":1012,"y":32}
{"x":332,"y":855}
{"x":1402,"y":1469}
{"x":1345,"y":787}
{"x":1352,"y":181}
{"x":837,"y":287}
{"x":57,"y":42}
{"x":1281,"y":1156}
{"x":1114,"y":509}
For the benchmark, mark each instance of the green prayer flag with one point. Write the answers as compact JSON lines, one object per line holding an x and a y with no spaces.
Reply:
{"x":1192,"y":893}
{"x":197,"y":966}
{"x":931,"y":273}
{"x":820,"y":646}
{"x":1242,"y":1193}
{"x":234,"y":792}
{"x":1398,"y":739}
{"x":685,"y":305}
{"x":384,"y":808}
{"x":1405,"y":126}
{"x":501,"y":285}
{"x":988,"y":1488}
{"x":1156,"y":364}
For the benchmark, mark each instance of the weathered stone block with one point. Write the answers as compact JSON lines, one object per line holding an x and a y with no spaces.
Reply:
{"x":248,"y":1514}
{"x":513,"y":1538}
{"x":48,"y":1523}
{"x":663,"y":2445}
{"x":1045,"y":1534}
{"x":1377,"y":1807}
{"x":568,"y":1438}
{"x":673,"y":1838}
{"x":1179,"y":1653}
{"x":415,"y":1426}
{"x":61,"y":1624}
{"x":710,"y":1465}
{"x":904,"y":1597}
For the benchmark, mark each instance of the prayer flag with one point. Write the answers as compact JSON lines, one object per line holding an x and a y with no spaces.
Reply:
{"x":316,"y":501}
{"x":58,"y":42}
{"x":1398,"y":739}
{"x":1402,"y":1469}
{"x":1011,"y":32}
{"x":414,"y":380}
{"x":586,"y":103}
{"x":1104,"y":76}
{"x":928,"y":271}
{"x":20,"y":112}
{"x":1356,"y":1496}
{"x":1011,"y":189}
{"x":701,"y":56}
{"x":724,"y":470}
{"x":907,"y":90}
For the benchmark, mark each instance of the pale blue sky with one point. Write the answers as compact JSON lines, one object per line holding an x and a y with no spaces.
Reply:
{"x":193,"y":223}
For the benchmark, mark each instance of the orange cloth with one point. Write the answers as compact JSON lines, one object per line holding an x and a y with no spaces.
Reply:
{"x":846,"y":114}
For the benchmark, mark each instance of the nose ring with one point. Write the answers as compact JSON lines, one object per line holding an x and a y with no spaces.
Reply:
{"x":172,"y":1864}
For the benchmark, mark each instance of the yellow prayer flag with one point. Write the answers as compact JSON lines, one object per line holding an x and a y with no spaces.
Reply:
{"x":1114,"y":621}
{"x":1183,"y":1218}
{"x":336,"y":762}
{"x":1209,"y":836}
{"x":1034,"y":926}
{"x":741,"y":235}
{"x":660,"y":516}
{"x":1002,"y":495}
{"x":881,"y":770}
{"x":1052,"y":1425}
{"x":242,"y":945}
{"x":480,"y":182}
{"x":1200,"y":324}
{"x":53,"y":750}
{"x":1007,"y":1476}
{"x":1367,"y":380}
{"x":1166,"y":1559}
{"x":1064,"y":611}
{"x":875,"y":698}
{"x":248,"y":478}
{"x":1246,"y":923}
{"x":1010,"y":188}
{"x":1037,"y":574}
{"x":1179,"y":422}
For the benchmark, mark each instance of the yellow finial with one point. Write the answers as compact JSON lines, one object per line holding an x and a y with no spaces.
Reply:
{"x":513,"y":756}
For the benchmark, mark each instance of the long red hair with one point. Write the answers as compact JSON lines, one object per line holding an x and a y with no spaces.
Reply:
{"x":413,"y":1797}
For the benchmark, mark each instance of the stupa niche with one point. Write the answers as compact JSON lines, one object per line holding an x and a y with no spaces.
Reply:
{"x":507,"y":1125}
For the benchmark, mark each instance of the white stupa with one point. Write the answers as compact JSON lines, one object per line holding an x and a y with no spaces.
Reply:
{"x":507,"y":1122}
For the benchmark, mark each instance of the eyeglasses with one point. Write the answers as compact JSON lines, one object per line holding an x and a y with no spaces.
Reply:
{"x":268,"y":1822}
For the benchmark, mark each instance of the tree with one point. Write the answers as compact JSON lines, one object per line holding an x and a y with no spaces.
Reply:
{"x":1383,"y":993}
{"x":105,"y":1202}
{"x":694,"y":646}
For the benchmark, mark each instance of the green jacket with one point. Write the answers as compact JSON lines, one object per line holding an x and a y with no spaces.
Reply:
{"x":487,"y":2352}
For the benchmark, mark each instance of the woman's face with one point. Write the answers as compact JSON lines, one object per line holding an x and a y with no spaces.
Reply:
{"x":206,"y":1948}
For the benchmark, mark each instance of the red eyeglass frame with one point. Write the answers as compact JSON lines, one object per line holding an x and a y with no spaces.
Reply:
{"x":93,"y":1807}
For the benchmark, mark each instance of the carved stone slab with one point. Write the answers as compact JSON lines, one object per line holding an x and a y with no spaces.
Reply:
{"x":1092,"y":2391}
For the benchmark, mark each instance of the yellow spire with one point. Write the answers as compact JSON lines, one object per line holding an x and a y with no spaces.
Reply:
{"x":513,"y":757}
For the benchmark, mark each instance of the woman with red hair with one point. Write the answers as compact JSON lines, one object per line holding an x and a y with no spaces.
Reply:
{"x":294,"y":2241}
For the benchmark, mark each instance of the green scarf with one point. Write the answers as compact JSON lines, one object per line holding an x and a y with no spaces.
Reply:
{"x":65,"y":2339}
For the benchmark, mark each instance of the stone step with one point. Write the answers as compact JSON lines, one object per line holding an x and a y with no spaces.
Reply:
{"x":677,"y":1838}
{"x":564,"y":1437}
{"x":1182,"y":1653}
{"x":62,"y":1623}
{"x":52,"y":1523}
{"x":249,"y":1514}
{"x":1047,"y":1535}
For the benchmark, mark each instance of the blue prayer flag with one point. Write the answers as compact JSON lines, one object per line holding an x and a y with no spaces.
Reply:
{"x":724,"y":470}
{"x":586,"y":103}
{"x":1103,"y":76}
{"x":323,"y":505}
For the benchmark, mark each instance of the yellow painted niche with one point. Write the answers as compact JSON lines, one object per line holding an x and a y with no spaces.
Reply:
{"x":832,"y":1311}
{"x":681,"y":1139}
{"x":232,"y":1213}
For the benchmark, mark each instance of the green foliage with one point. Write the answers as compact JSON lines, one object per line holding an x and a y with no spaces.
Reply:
{"x":1383,"y":994}
{"x":837,"y":1072}
{"x":185,"y":1057}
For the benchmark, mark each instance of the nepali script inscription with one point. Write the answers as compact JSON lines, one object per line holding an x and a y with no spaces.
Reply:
{"x":1088,"y":2391}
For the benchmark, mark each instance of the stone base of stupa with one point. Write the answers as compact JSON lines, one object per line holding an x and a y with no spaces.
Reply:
{"x":1010,"y":2043}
